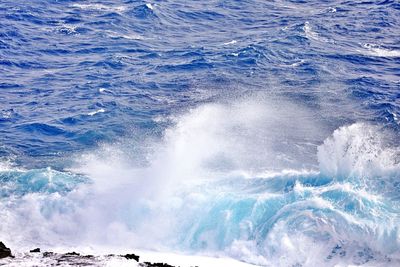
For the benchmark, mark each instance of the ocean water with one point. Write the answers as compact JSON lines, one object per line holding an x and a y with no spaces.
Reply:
{"x":264,"y":131}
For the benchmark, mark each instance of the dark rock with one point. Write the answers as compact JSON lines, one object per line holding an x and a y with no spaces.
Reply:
{"x":4,"y":251}
{"x":72,"y":254}
{"x":131,"y":257}
{"x":47,"y":254}
{"x":88,"y":256}
{"x":35,"y":250}
{"x":157,"y":264}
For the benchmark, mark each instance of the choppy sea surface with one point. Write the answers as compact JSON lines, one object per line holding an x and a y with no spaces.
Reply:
{"x":264,"y":131}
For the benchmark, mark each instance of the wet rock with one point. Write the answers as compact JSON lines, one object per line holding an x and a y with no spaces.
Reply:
{"x":131,"y":257}
{"x":88,"y":256}
{"x":48,"y":254}
{"x":72,"y":254}
{"x":156,"y":264}
{"x":74,"y":258}
{"x":4,"y":251}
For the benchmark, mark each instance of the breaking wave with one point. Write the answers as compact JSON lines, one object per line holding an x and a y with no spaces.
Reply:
{"x":247,"y":180}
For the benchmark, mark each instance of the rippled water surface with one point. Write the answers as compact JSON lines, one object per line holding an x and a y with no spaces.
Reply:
{"x":266,"y":131}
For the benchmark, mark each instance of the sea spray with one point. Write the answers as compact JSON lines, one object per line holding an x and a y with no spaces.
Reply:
{"x":225,"y":180}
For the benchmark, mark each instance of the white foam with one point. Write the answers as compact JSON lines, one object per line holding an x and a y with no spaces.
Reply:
{"x":358,"y":150}
{"x":96,"y":112}
{"x":129,"y":36}
{"x":100,"y":7}
{"x":209,"y":142}
{"x":395,"y":117}
{"x":138,"y":205}
{"x":230,"y":42}
{"x":67,"y":28}
{"x":4,"y":166}
{"x":284,"y":172}
{"x":104,"y":90}
{"x":149,"y":6}
{"x":296,"y":64}
{"x":311,"y":34}
{"x":191,"y":260}
{"x":308,"y":30}
{"x":6,"y":114}
{"x":377,"y":51}
{"x":332,"y":10}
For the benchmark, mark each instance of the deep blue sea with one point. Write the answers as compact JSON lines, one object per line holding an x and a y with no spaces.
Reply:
{"x":265,"y":131}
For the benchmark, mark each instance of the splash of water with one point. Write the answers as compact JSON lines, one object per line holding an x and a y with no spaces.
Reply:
{"x":245,"y":180}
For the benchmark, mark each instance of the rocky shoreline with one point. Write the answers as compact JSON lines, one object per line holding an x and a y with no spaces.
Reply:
{"x":49,"y":258}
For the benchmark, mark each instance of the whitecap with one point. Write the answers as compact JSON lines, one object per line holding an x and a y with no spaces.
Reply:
{"x":149,"y":6}
{"x":308,"y":30}
{"x":67,"y":29}
{"x":377,"y":51}
{"x":230,"y":42}
{"x":100,"y":7}
{"x":96,"y":112}
{"x":105,"y":91}
{"x":311,"y":34}
{"x":130,"y":36}
{"x":332,"y":10}
{"x":395,"y":117}
{"x":6,"y":114}
{"x":294,"y":64}
{"x":358,"y":150}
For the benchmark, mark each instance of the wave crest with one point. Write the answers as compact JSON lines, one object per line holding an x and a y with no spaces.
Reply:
{"x":358,"y":150}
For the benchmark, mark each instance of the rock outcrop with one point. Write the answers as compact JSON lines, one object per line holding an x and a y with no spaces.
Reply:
{"x":70,"y":258}
{"x":131,"y":257}
{"x":4,"y":251}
